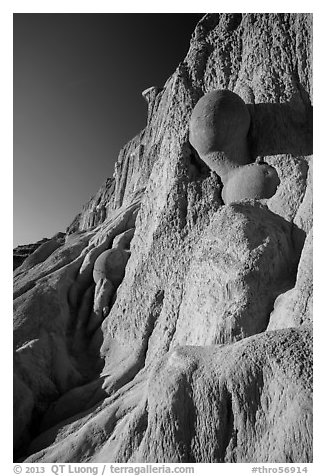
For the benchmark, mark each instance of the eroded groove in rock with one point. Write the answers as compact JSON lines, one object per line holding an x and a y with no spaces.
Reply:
{"x":64,"y":256}
{"x":257,"y":434}
{"x":123,"y":221}
{"x":72,"y":348}
{"x":93,"y":305}
{"x":261,"y":380}
{"x":294,"y":308}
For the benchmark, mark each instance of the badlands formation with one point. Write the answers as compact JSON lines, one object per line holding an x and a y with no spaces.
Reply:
{"x":172,"y":321}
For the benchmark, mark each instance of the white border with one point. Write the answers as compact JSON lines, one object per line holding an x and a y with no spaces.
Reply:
{"x":7,"y":8}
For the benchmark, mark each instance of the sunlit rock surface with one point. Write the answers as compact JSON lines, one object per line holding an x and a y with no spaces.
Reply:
{"x":201,"y":350}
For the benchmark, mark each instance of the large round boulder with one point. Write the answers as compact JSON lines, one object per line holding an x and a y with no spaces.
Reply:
{"x":111,"y":265}
{"x":219,"y":119}
{"x":255,"y":181}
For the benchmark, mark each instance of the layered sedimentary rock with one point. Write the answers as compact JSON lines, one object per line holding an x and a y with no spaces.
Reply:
{"x":95,"y":210}
{"x":176,"y":327}
{"x":22,"y":252}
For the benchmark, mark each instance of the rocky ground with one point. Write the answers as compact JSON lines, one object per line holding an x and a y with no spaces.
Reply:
{"x":170,"y":324}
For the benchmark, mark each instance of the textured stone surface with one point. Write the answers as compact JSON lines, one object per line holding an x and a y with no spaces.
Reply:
{"x":294,"y":307}
{"x":255,"y":181}
{"x":23,"y":252}
{"x":220,"y":122}
{"x":245,"y":252}
{"x":243,"y":402}
{"x":176,"y":363}
{"x":94,"y":212}
{"x":218,"y":131}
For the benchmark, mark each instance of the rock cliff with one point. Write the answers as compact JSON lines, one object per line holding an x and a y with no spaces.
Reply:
{"x":173,"y":325}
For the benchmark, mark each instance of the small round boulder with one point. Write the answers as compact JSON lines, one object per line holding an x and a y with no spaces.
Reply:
{"x":219,"y":120}
{"x":111,"y":265}
{"x":255,"y":181}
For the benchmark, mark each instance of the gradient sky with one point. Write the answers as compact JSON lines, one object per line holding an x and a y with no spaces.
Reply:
{"x":78,"y":80}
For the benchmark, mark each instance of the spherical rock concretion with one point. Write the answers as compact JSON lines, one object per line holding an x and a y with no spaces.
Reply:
{"x":219,"y":120}
{"x":111,"y":265}
{"x":250,"y":181}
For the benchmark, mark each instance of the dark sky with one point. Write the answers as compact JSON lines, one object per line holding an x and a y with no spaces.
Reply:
{"x":78,"y":80}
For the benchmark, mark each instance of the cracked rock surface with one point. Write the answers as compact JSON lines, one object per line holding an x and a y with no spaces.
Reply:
{"x":168,"y":326}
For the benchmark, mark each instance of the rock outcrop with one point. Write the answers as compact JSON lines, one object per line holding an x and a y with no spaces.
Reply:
{"x":219,"y":127}
{"x":95,"y":211}
{"x":22,"y":252}
{"x":176,"y":325}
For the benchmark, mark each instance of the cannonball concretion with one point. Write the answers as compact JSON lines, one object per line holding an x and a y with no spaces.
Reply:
{"x":218,"y":130}
{"x":111,"y":265}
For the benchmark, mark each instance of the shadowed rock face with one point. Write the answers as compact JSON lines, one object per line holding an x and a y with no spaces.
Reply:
{"x":200,"y":349}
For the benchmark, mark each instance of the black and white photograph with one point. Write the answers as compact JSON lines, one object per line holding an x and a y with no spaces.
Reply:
{"x":162,"y":241}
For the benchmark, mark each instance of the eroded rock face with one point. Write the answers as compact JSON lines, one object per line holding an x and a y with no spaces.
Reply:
{"x":40,"y":251}
{"x":243,"y":402}
{"x":294,"y":307}
{"x":96,"y":210}
{"x":245,"y":252}
{"x":201,"y":350}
